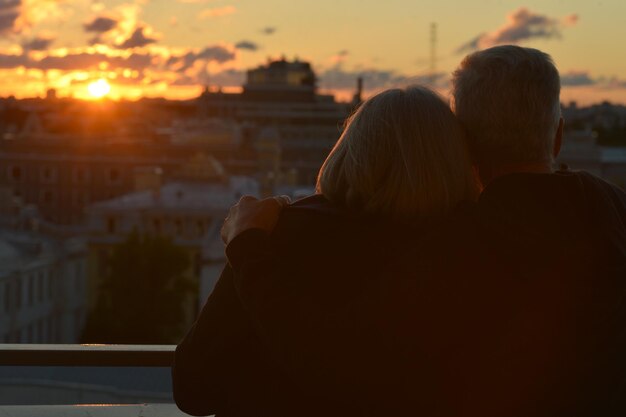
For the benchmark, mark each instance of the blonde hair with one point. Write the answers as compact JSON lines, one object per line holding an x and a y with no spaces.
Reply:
{"x":402,"y":155}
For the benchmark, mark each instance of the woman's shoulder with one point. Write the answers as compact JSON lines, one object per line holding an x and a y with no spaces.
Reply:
{"x":315,"y":203}
{"x":309,"y":214}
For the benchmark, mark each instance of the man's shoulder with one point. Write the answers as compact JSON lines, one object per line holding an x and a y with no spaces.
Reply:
{"x":532,"y":220}
{"x":550,"y":192}
{"x":615,"y":193}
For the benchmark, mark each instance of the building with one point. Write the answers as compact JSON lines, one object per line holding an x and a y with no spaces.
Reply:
{"x":190,"y":210}
{"x":580,"y":151}
{"x":63,"y":176}
{"x":43,"y":285}
{"x":282,"y":95}
{"x":63,"y":155}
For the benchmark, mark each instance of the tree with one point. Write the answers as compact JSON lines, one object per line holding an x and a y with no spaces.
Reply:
{"x":143,"y":295}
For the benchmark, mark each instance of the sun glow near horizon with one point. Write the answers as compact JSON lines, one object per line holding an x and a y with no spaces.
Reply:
{"x":98,"y":89}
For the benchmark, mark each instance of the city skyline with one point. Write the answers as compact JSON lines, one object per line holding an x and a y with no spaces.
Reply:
{"x":130,"y":49}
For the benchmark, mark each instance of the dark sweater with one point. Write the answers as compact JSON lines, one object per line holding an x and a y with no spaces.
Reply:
{"x":510,"y":308}
{"x":531,"y":320}
{"x":561,"y":351}
{"x":321,"y":264}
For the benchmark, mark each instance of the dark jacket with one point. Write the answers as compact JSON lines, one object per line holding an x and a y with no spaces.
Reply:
{"x":327,"y":262}
{"x":561,"y":350}
{"x":531,"y":320}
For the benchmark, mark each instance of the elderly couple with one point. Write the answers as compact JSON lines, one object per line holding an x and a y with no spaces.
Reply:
{"x":442,"y":269}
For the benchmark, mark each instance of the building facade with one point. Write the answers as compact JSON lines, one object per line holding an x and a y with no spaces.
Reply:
{"x":43,"y":287}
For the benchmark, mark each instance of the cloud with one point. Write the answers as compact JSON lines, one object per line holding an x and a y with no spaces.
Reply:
{"x":615,"y":82}
{"x":215,"y":53}
{"x":16,"y":16}
{"x":100,"y":24}
{"x":77,"y":61}
{"x":584,"y":79}
{"x":194,"y":1}
{"x":8,"y":61}
{"x":216,"y":12}
{"x":340,"y":56}
{"x":268,"y":30}
{"x":137,"y":40}
{"x":375,"y":79}
{"x":38,"y":43}
{"x":521,"y":25}
{"x":226,"y":78}
{"x":10,"y":12}
{"x":247,"y":45}
{"x":48,"y":11}
{"x":576,"y":78}
{"x":81,"y":61}
{"x":570,"y":20}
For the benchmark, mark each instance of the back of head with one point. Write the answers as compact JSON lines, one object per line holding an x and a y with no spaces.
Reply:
{"x":402,"y":155}
{"x":507,"y":98}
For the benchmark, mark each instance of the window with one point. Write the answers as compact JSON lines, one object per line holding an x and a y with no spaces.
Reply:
{"x":30,"y":289}
{"x":201,"y":228}
{"x":48,"y":174}
{"x":156,"y":226}
{"x":78,"y":276}
{"x":47,"y":197}
{"x":111,"y":225}
{"x":114,"y":176}
{"x":51,"y":282}
{"x":40,"y":287}
{"x":178,"y":226}
{"x":81,"y":175}
{"x":78,"y":320}
{"x":15,"y":173}
{"x":40,"y":336}
{"x":80,"y":198}
{"x":8,"y":291}
{"x":18,"y":294}
{"x":50,"y":328}
{"x":30,"y":333}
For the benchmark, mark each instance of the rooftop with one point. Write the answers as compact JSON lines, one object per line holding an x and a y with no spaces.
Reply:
{"x":185,"y":196}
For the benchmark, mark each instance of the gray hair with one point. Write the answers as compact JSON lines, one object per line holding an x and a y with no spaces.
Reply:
{"x":402,"y":155}
{"x":507,"y":98}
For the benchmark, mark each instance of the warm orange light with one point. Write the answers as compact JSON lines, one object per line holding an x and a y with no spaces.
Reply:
{"x":99,"y":88}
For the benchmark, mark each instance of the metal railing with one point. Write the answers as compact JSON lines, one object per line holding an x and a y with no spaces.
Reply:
{"x":86,"y":355}
{"x":125,"y":356}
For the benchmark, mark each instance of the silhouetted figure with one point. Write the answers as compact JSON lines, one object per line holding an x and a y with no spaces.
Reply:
{"x":510,"y":306}
{"x":400,"y":165}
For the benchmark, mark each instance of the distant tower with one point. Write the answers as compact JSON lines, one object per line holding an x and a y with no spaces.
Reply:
{"x":51,"y":94}
{"x":433,"y":53}
{"x":358,"y":95}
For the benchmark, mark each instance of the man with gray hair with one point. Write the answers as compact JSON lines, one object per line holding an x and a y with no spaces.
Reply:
{"x":507,"y":98}
{"x":560,"y":237}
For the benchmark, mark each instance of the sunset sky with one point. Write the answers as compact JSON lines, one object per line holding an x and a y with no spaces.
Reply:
{"x":173,"y":47}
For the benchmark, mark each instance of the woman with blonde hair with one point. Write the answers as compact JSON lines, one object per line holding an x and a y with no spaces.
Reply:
{"x":403,"y":156}
{"x":296,"y":326}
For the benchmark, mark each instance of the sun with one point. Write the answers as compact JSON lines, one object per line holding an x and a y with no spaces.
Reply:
{"x":99,"y":88}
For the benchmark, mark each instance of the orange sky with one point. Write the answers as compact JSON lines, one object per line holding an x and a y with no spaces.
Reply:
{"x":172,"y":48}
